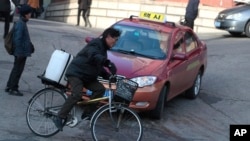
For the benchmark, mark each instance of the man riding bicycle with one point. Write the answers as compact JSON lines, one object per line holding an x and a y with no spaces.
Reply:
{"x":83,"y":71}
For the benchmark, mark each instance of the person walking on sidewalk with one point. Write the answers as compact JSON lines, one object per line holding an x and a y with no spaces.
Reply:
{"x":83,"y":71}
{"x":84,"y":8}
{"x":191,"y":12}
{"x":23,"y":49}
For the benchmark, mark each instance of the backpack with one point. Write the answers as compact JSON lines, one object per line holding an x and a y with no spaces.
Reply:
{"x":8,"y":41}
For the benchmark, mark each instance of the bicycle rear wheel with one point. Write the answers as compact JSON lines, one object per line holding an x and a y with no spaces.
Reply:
{"x":42,"y":108}
{"x":121,"y":124}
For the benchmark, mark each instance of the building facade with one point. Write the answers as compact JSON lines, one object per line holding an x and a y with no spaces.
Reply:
{"x":106,"y":12}
{"x":213,"y":3}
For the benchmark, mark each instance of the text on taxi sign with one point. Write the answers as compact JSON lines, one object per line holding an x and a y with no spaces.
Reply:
{"x":152,"y":16}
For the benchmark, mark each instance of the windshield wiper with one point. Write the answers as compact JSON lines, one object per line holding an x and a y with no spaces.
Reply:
{"x":136,"y":53}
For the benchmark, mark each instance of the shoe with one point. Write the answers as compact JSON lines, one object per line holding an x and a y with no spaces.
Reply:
{"x":85,"y":116}
{"x":7,"y":89}
{"x":77,"y":24}
{"x":15,"y":92}
{"x":58,"y":123}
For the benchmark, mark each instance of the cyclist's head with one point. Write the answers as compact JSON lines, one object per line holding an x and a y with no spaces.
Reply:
{"x":111,"y":35}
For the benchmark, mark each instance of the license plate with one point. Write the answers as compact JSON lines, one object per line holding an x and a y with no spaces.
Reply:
{"x":217,"y":24}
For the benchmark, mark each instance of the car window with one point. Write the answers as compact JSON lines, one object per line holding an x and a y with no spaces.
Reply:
{"x":179,"y":43}
{"x":190,"y":42}
{"x":142,"y":42}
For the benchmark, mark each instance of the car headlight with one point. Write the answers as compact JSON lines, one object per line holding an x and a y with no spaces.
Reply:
{"x":234,"y":16}
{"x":144,"y":80}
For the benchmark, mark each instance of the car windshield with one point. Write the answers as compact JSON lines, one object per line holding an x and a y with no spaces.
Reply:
{"x":142,"y":42}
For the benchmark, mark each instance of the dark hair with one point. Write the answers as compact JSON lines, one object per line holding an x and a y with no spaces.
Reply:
{"x":25,"y":9}
{"x":112,"y":32}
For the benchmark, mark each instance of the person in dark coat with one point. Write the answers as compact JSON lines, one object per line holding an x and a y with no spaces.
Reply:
{"x":84,"y":8}
{"x":83,"y":71}
{"x":23,"y":48}
{"x":191,"y":12}
{"x":5,"y":12}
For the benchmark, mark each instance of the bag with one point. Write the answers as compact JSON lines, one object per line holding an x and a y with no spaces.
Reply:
{"x":8,"y":41}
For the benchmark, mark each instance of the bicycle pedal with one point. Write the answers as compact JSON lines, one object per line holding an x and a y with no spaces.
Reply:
{"x":73,"y":122}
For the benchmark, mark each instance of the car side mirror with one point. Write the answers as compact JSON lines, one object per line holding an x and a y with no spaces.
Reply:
{"x":88,"y":39}
{"x":179,"y":56}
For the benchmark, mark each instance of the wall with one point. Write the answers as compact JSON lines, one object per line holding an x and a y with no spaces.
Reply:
{"x":106,"y":12}
{"x":213,"y":3}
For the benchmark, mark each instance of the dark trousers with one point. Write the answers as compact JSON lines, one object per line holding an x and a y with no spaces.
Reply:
{"x":76,"y":87}
{"x":189,"y":23}
{"x":6,"y":16}
{"x":34,"y":13}
{"x":85,"y":16}
{"x":16,"y":73}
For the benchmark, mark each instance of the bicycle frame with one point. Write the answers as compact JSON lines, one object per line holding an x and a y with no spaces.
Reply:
{"x":47,"y":102}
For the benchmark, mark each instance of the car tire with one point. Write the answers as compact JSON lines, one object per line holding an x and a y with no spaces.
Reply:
{"x":247,"y":29}
{"x":194,"y":91}
{"x":235,"y":34}
{"x":159,"y":109}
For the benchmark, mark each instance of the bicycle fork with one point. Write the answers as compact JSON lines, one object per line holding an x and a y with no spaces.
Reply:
{"x":120,"y":111}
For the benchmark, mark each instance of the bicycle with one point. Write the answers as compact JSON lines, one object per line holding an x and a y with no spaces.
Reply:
{"x":114,"y":120}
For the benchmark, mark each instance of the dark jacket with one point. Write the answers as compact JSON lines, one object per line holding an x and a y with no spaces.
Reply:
{"x":192,"y":9}
{"x":4,"y":5}
{"x":21,"y":39}
{"x":88,"y":63}
{"x":84,"y":4}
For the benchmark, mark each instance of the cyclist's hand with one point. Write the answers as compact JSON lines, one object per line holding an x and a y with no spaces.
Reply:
{"x":112,"y":79}
{"x":112,"y":68}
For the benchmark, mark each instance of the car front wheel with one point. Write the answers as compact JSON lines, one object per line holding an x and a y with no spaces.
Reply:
{"x":247,"y":29}
{"x":159,"y":109}
{"x":193,"y":92}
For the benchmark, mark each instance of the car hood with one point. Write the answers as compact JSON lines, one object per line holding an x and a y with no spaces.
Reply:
{"x":132,"y":66}
{"x":236,"y":9}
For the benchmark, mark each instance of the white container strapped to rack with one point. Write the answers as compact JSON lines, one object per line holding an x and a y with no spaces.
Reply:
{"x":57,"y":66}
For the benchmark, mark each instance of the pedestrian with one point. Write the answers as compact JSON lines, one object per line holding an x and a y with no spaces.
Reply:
{"x":34,"y":4}
{"x":23,"y":49}
{"x":83,"y":71}
{"x":84,"y":8}
{"x":191,"y":12}
{"x":5,"y":10}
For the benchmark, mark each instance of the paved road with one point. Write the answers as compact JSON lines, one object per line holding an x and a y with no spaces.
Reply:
{"x":205,"y":119}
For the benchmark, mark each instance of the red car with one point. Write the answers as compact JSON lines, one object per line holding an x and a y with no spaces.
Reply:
{"x":164,"y":58}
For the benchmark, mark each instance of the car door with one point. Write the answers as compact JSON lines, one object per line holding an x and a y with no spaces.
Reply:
{"x":192,"y":52}
{"x":177,"y":65}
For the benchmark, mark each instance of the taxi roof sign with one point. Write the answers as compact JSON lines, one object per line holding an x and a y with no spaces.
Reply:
{"x":152,"y":16}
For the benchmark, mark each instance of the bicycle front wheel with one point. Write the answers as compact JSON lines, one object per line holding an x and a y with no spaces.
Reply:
{"x":117,"y":123}
{"x":42,"y":108}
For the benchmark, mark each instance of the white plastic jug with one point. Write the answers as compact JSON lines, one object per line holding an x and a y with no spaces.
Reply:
{"x":57,"y":66}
